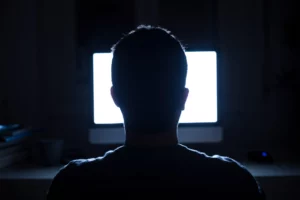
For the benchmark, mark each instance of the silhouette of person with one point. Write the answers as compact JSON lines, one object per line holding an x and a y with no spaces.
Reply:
{"x":149,"y":69}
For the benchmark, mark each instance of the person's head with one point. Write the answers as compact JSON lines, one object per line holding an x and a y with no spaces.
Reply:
{"x":149,"y":69}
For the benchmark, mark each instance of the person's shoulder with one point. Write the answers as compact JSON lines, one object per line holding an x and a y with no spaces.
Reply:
{"x":85,"y":165}
{"x":228,"y":172}
{"x":192,"y":153}
{"x":68,"y":180}
{"x":233,"y":168}
{"x":205,"y":159}
{"x":241,"y":178}
{"x":223,"y":162}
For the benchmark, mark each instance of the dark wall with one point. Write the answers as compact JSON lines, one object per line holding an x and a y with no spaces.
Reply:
{"x":43,"y":85}
{"x":99,"y":24}
{"x":18,"y":66}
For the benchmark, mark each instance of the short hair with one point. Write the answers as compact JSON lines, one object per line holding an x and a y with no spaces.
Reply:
{"x":149,"y":69}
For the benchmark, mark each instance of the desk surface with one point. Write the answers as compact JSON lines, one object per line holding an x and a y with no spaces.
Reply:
{"x":48,"y":173}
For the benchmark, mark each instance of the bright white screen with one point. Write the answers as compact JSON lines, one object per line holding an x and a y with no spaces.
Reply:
{"x":201,"y":105}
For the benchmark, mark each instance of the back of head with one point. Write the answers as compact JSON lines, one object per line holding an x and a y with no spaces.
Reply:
{"x":149,"y":69}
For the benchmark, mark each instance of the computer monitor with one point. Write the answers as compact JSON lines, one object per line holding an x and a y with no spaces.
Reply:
{"x":201,"y":106}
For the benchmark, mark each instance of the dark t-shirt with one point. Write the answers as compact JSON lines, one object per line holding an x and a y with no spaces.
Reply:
{"x":174,"y":172}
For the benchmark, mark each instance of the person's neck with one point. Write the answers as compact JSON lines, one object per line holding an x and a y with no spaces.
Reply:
{"x":136,"y":138}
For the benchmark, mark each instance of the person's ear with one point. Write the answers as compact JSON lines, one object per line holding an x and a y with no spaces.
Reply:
{"x":184,"y":98}
{"x":113,"y":95}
